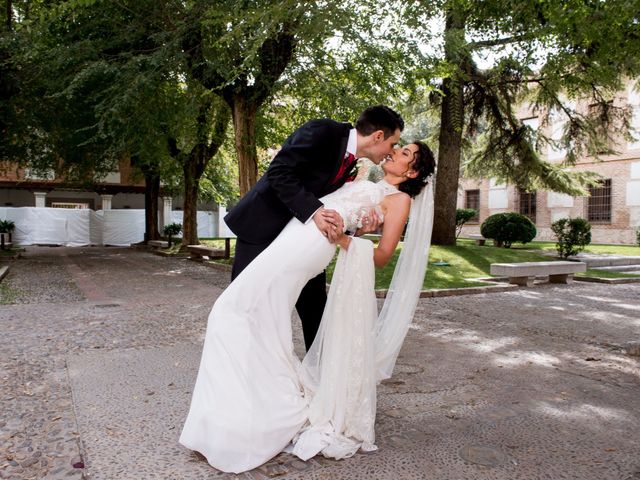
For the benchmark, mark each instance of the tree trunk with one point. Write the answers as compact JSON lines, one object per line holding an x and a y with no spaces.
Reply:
{"x":244,"y":123}
{"x":151,"y":194}
{"x":193,"y":166}
{"x":450,"y":140}
{"x":9,"y":15}
{"x":190,"y":207}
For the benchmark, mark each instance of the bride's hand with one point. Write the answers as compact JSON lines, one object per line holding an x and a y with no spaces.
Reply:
{"x":370,"y":223}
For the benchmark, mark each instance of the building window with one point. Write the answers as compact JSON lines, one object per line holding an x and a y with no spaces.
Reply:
{"x":71,"y":205}
{"x":527,"y":204}
{"x":472,"y":200}
{"x":599,"y":202}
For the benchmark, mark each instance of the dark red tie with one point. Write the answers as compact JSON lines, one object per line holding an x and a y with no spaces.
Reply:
{"x":347,"y":162}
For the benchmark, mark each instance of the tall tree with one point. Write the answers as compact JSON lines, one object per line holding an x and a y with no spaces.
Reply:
{"x":239,"y":51}
{"x":108,"y":81}
{"x":544,"y":53}
{"x":194,"y":158}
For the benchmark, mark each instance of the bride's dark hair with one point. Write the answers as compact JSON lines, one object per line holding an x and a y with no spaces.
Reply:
{"x":424,"y":164}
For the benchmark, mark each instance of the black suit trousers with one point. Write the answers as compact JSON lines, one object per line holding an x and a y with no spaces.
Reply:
{"x":313,"y":297}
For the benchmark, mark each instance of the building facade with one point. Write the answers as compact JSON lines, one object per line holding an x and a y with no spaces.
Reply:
{"x":19,"y":187}
{"x":612,"y":208}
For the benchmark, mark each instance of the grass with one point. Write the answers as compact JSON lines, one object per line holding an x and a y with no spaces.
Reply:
{"x":630,"y":250}
{"x":467,"y":261}
{"x":8,"y":295}
{"x":606,"y":274}
{"x":219,"y":243}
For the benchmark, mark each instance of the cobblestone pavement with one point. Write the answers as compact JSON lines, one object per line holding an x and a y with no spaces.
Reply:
{"x":529,"y":384}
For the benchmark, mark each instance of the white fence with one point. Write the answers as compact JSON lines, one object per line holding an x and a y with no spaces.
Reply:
{"x":75,"y":228}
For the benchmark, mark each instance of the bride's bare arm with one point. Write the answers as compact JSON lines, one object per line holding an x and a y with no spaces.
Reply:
{"x":396,"y":208}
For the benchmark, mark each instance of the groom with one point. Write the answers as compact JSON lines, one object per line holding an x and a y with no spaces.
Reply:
{"x":317,"y":159}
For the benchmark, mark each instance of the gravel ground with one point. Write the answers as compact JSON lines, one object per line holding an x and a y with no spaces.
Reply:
{"x":528,"y":384}
{"x":67,"y":300}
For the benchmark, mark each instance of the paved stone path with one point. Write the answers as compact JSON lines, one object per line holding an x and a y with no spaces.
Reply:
{"x":101,"y":346}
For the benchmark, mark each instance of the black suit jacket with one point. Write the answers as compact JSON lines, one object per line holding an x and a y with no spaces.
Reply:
{"x":298,"y":175}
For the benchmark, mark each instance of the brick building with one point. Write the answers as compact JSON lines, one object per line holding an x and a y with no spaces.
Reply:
{"x":613,"y":208}
{"x":21,"y":188}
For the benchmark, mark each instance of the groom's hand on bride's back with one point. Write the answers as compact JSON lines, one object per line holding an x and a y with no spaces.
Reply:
{"x":330,"y":223}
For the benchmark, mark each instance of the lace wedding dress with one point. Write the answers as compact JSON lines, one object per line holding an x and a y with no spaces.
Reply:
{"x":253,"y":397}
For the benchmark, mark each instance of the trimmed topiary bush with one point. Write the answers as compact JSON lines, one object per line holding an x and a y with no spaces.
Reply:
{"x":171,"y":230}
{"x":7,"y":226}
{"x":507,"y":228}
{"x":573,"y":235}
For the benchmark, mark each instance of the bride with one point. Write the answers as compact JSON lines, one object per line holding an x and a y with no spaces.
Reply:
{"x":253,"y":398}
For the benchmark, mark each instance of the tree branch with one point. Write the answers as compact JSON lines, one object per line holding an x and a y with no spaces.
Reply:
{"x":275,"y":55}
{"x":172,"y":146}
{"x":500,"y":41}
{"x":9,"y":15}
{"x":219,"y":130}
{"x":196,"y":63}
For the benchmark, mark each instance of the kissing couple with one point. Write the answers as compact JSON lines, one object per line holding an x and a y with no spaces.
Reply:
{"x":253,"y":397}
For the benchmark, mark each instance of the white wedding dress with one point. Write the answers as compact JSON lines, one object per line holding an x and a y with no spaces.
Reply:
{"x":253,"y":397}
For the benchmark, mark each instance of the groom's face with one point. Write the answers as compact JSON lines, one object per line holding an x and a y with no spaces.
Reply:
{"x":381,"y":147}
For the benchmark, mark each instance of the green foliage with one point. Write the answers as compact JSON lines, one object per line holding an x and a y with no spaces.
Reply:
{"x":505,"y":54}
{"x":507,"y":228}
{"x":7,"y":226}
{"x":463,"y":215}
{"x":573,"y":235}
{"x":638,"y":236}
{"x":172,"y":229}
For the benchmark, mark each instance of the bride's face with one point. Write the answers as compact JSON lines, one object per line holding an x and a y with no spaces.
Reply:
{"x":400,"y":161}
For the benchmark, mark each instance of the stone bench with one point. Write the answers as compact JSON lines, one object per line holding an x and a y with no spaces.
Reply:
{"x":524,"y":273}
{"x":158,"y":243}
{"x":480,"y":240}
{"x":198,"y":252}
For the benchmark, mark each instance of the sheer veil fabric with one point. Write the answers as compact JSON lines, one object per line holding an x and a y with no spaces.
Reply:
{"x":355,"y":347}
{"x":404,"y":291}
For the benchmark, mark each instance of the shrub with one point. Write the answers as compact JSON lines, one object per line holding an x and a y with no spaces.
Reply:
{"x":463,"y":215}
{"x":506,"y":228}
{"x":7,"y":226}
{"x":573,"y":235}
{"x":638,"y":236}
{"x":172,"y":229}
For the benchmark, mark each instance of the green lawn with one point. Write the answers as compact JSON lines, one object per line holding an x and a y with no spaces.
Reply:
{"x":631,"y":250}
{"x":7,"y":294}
{"x":217,"y":243}
{"x":606,"y":274}
{"x":466,"y":260}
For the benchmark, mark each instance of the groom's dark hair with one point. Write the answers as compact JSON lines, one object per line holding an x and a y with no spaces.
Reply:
{"x":379,"y":117}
